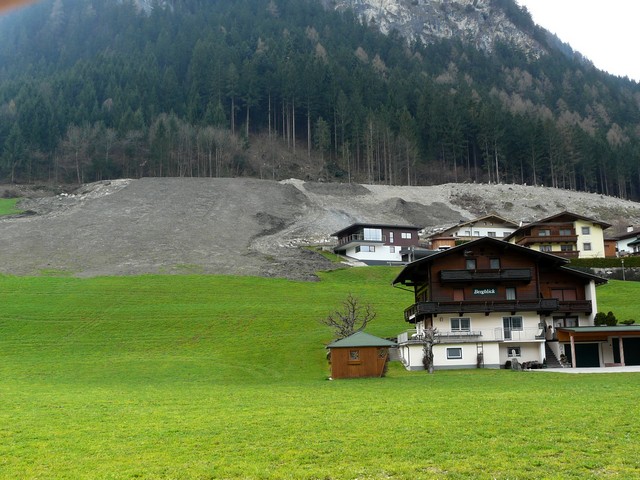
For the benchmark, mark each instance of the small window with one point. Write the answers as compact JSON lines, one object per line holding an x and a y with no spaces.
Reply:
{"x":476,"y":233}
{"x":492,"y":234}
{"x":354,"y":355}
{"x":365,"y":248}
{"x":454,"y":353}
{"x":586,"y":246}
{"x":514,"y":351}
{"x":544,"y":233}
{"x":566,"y":248}
{"x":462,"y":324}
{"x":565,"y":232}
{"x":545,"y":248}
{"x":506,"y":234}
{"x":390,"y":237}
{"x":406,"y":235}
{"x":511,"y":293}
{"x":494,"y":264}
{"x":471,"y":263}
{"x":392,"y":249}
{"x":467,"y":233}
{"x":586,"y":230}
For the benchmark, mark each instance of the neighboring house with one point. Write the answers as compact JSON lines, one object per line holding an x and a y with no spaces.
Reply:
{"x":565,"y":234}
{"x":629,"y":242}
{"x":493,"y":301}
{"x":488,"y":226}
{"x":359,"y":355}
{"x":376,"y":244}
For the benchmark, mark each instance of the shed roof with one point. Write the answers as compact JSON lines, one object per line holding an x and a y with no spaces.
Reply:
{"x":361,"y":339}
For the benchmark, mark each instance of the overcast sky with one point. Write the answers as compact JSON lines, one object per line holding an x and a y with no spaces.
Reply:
{"x":604,"y":31}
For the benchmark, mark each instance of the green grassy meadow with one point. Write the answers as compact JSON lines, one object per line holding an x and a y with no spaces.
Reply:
{"x":8,"y":206}
{"x":212,"y":377}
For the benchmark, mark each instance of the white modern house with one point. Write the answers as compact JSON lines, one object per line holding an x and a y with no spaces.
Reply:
{"x":629,"y":242}
{"x":377,"y":244}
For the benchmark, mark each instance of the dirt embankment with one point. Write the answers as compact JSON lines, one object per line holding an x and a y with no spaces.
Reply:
{"x":246,"y":226}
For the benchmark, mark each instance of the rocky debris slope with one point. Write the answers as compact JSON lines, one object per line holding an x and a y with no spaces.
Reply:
{"x":241,"y":226}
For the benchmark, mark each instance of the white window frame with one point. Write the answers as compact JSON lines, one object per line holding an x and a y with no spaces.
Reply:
{"x":514,"y":351}
{"x":406,"y":235}
{"x":372,"y":234}
{"x":452,"y":353}
{"x":586,"y":246}
{"x":586,"y":230}
{"x":459,"y":321}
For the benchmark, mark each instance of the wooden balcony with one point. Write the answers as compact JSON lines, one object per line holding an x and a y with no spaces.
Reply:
{"x":534,"y":239}
{"x":545,"y":306}
{"x":507,"y":274}
{"x":420,"y":309}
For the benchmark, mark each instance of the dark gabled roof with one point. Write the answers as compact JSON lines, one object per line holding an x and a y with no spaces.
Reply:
{"x":586,"y":275}
{"x":409,"y":272}
{"x":357,"y":226}
{"x":361,"y":339}
{"x":558,"y":218}
{"x":632,"y":233}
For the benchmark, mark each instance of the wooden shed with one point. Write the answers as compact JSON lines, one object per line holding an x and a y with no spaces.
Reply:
{"x":359,"y":355}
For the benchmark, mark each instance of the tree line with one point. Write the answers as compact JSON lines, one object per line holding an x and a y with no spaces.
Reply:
{"x":105,"y":90}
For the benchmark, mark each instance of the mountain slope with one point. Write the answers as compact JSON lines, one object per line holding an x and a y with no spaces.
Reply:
{"x":248,"y":227}
{"x":96,"y":89}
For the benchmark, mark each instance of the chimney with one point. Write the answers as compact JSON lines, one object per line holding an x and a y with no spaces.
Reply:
{"x":629,"y":228}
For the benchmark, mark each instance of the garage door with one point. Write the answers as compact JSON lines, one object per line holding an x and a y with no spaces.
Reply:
{"x":631,"y":351}
{"x":587,"y":354}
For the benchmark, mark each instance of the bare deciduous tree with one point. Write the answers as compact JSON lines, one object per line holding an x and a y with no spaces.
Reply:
{"x":354,"y":317}
{"x":428,"y":338}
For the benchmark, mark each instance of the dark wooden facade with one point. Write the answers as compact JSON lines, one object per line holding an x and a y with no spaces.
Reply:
{"x":489,"y":275}
{"x":390,"y":235}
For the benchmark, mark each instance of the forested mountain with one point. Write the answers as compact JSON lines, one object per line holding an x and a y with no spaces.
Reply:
{"x":99,"y":89}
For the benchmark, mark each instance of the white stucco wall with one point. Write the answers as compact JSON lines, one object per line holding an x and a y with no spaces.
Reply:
{"x":382,"y":254}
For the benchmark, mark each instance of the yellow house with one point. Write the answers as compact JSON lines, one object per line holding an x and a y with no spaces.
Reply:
{"x":566,"y":234}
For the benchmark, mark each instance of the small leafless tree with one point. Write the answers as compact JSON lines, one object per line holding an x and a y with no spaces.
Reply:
{"x":428,"y":339}
{"x":354,"y":317}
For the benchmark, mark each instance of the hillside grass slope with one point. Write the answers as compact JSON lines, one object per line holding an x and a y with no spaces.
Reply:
{"x":197,"y":377}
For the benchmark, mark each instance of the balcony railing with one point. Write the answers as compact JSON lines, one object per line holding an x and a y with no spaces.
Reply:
{"x":528,"y":334}
{"x":577,"y":306}
{"x":531,"y":239}
{"x":359,"y":237}
{"x":507,"y":274}
{"x":477,"y":306}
